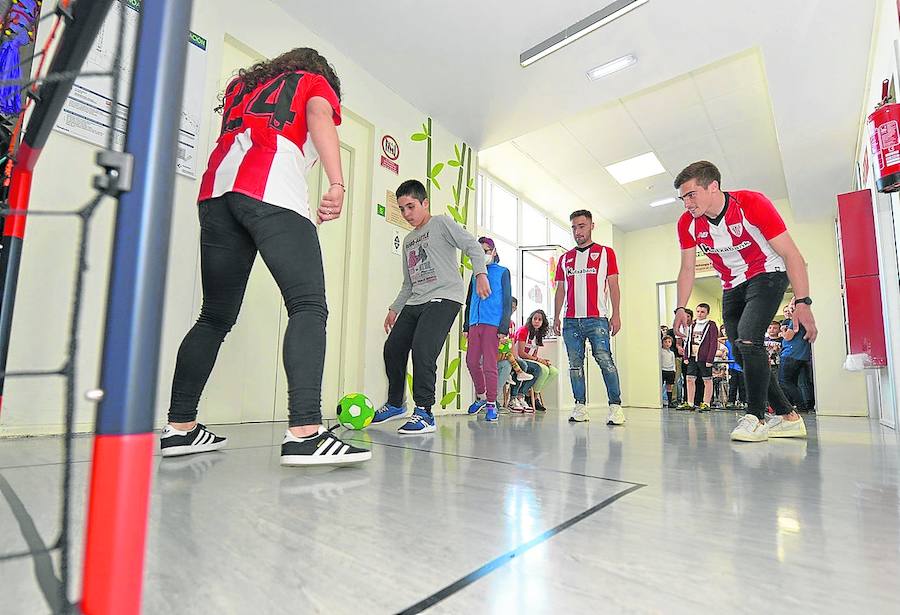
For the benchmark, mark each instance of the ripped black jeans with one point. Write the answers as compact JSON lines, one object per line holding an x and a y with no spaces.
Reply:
{"x":747,"y":310}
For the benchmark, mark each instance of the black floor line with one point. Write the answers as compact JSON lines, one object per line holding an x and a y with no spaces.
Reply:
{"x":507,"y":557}
{"x":49,"y":582}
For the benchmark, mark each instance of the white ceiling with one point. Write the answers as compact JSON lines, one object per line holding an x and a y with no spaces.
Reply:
{"x":458,"y":61}
{"x":721,"y":113}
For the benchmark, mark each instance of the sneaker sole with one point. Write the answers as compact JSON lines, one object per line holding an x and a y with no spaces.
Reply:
{"x":614,"y":424}
{"x":325,"y":460}
{"x":431,"y":429}
{"x":743,"y":438}
{"x":574,"y":420}
{"x":494,"y":420}
{"x":188,"y":449}
{"x":391,"y":418}
{"x":797,"y":434}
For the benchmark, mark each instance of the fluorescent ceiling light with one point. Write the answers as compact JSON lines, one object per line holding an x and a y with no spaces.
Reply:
{"x":579,"y":29}
{"x":611,"y":67}
{"x":662,"y":202}
{"x":633,"y":169}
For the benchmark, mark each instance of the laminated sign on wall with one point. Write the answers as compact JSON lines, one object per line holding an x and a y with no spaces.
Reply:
{"x":87,"y":112}
{"x":392,"y":212}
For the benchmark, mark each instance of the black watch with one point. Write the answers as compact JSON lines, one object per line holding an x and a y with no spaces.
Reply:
{"x":805,"y":300}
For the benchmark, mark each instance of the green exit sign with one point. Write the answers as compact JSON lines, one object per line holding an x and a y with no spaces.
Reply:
{"x":381,"y":211}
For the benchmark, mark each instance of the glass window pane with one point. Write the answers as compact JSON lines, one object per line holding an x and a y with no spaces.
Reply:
{"x":561,"y":236}
{"x":535,"y":284}
{"x":504,"y":213}
{"x":534,"y":227}
{"x":509,"y":258}
{"x":484,"y":203}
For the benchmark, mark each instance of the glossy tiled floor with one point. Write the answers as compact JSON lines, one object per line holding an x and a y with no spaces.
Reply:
{"x":531,"y":515}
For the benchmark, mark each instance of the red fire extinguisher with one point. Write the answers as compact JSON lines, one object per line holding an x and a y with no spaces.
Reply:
{"x":884,"y":138}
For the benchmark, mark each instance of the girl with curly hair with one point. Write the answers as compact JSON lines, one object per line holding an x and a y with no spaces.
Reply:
{"x":278,"y":120}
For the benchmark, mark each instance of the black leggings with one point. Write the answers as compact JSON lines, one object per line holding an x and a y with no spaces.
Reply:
{"x":422,"y":329}
{"x":747,"y":310}
{"x":233,"y":228}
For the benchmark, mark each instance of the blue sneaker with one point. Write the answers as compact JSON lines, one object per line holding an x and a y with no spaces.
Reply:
{"x":477,"y":405}
{"x":421,"y":421}
{"x":490,"y":413}
{"x":388,"y":412}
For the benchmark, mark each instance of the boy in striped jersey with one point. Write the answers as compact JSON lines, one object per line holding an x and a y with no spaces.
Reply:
{"x":749,"y":246}
{"x":584,"y":274}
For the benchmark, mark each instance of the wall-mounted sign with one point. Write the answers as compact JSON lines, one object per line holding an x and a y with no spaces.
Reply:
{"x":390,"y":147}
{"x":390,"y":165}
{"x":391,"y":150}
{"x":392,"y":212}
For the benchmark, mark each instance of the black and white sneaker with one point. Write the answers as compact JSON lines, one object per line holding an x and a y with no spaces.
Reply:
{"x":323,"y":448}
{"x":174,"y":442}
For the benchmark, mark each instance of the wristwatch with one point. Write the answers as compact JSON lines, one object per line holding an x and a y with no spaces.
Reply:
{"x":805,"y":300}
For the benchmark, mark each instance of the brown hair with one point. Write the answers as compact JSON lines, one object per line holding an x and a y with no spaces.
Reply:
{"x":704,"y":172}
{"x":301,"y":58}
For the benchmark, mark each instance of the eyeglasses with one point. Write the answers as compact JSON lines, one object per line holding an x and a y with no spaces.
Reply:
{"x":690,"y":196}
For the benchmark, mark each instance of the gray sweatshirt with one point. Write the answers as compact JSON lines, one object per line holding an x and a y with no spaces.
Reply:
{"x":430,"y":265}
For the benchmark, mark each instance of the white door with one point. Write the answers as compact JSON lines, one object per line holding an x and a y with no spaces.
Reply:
{"x":248,"y":381}
{"x":241,"y":387}
{"x":335,"y":238}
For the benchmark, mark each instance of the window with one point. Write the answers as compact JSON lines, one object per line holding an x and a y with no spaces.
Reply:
{"x":536,"y":280}
{"x":561,"y":236}
{"x":509,"y":258}
{"x":499,"y":212}
{"x":482,"y":208}
{"x":504,"y":213}
{"x":534,"y":226}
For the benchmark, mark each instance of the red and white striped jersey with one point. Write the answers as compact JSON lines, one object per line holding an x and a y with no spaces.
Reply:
{"x":737,"y":242}
{"x":264,"y":150}
{"x":584,"y":272}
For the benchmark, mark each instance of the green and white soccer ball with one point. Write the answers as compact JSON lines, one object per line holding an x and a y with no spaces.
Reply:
{"x":355,"y":411}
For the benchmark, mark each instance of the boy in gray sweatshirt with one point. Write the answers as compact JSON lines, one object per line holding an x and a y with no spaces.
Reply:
{"x":429,"y":301}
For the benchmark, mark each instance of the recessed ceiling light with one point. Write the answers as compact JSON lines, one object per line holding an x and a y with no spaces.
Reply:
{"x":633,"y":169}
{"x":579,"y":29}
{"x":662,"y":202}
{"x":611,"y":67}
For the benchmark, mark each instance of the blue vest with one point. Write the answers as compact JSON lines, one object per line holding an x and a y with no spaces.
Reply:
{"x":488,"y":311}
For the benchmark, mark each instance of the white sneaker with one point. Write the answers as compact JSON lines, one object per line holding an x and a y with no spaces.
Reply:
{"x":616,"y":415}
{"x":750,"y":429}
{"x":579,"y":414}
{"x":778,"y":427}
{"x":523,"y":376}
{"x":516,"y":405}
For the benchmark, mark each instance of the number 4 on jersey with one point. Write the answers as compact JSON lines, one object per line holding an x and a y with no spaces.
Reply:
{"x":275,"y":101}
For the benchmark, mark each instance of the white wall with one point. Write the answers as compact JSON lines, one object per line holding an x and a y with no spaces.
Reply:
{"x":839,"y":392}
{"x":883,"y":65}
{"x":62,"y":180}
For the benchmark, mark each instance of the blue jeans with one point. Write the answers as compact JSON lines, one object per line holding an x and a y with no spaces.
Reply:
{"x":523,"y":386}
{"x":577,"y":331}
{"x":504,"y":369}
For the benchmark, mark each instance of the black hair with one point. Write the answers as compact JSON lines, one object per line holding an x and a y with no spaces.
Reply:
{"x":539,"y":333}
{"x":302,"y":58}
{"x":581,"y":212}
{"x":412,"y":188}
{"x":704,"y":172}
{"x":703,"y":305}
